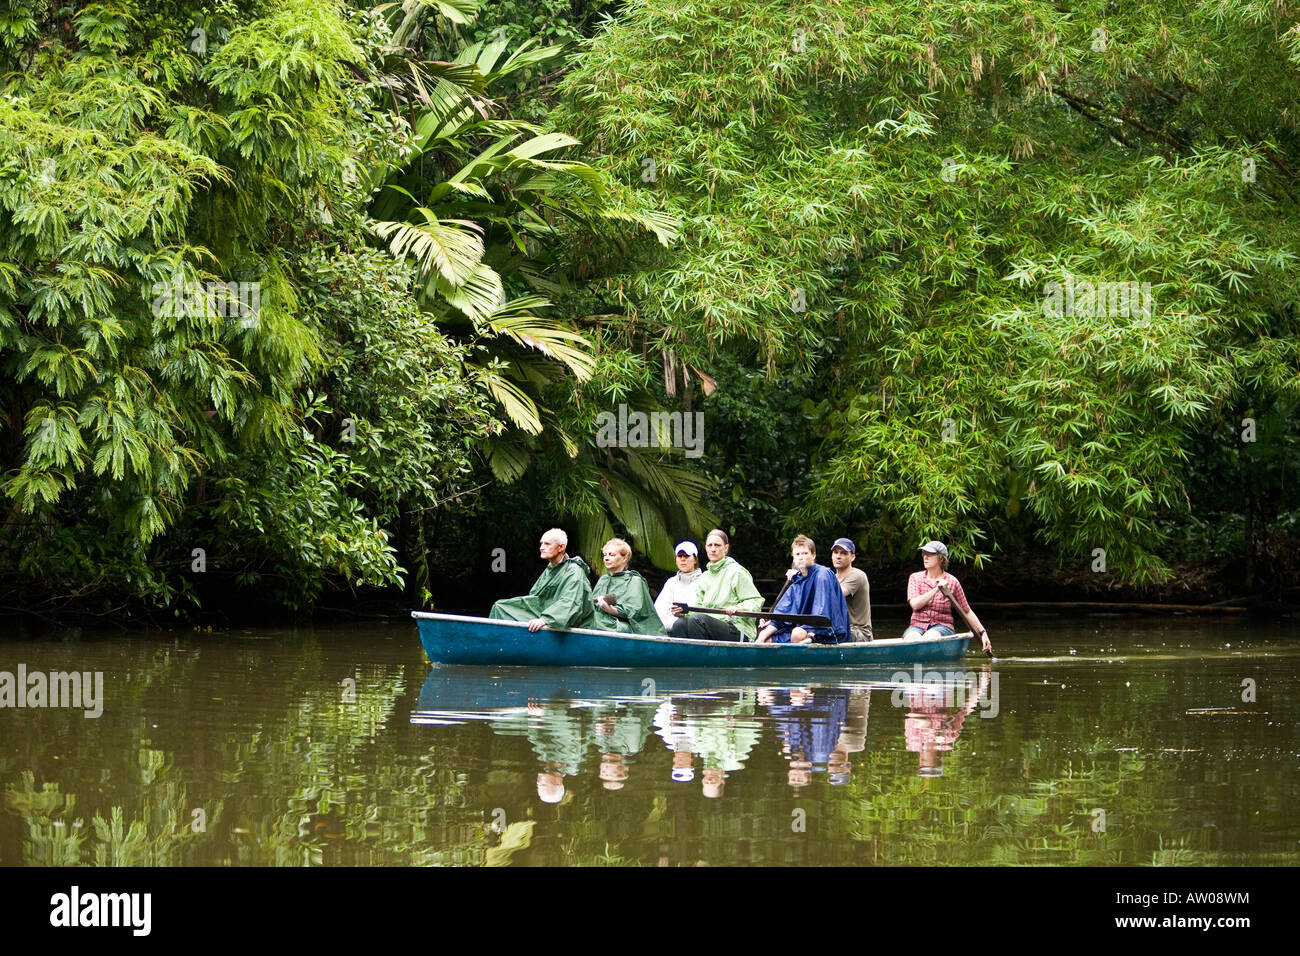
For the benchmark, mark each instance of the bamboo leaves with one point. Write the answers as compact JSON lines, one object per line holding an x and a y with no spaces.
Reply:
{"x":909,"y":195}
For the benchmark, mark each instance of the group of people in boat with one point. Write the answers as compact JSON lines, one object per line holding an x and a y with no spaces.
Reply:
{"x":563,"y":597}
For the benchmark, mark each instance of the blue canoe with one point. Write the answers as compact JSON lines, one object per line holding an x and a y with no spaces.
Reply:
{"x":453,"y":639}
{"x":468,"y":691}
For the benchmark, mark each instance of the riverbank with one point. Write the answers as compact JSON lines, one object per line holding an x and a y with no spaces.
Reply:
{"x":1003,"y":589}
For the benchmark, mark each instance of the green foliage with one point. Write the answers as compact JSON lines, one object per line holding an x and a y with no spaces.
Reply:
{"x":835,"y":230}
{"x":484,"y":208}
{"x":907,"y":180}
{"x":151,"y":407}
{"x":558,"y":24}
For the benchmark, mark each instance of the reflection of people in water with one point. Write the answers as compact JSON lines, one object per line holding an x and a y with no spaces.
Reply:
{"x":619,"y":733}
{"x":712,"y":782}
{"x":683,"y":765}
{"x":558,"y":735}
{"x":810,"y":730}
{"x":719,"y":728}
{"x":679,"y":736}
{"x":934,"y":720}
{"x":550,"y":785}
{"x":614,"y":771}
{"x":853,"y":738}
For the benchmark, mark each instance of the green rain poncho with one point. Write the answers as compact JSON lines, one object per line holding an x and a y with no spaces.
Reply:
{"x":561,"y":597}
{"x":632,"y":599}
{"x":560,"y":737}
{"x":621,"y":728}
{"x":724,"y":738}
{"x":726,"y":584}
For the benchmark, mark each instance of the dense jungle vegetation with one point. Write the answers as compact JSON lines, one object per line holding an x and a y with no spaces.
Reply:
{"x":305,"y":301}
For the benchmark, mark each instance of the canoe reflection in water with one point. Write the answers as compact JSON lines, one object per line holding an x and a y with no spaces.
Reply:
{"x":710,"y":732}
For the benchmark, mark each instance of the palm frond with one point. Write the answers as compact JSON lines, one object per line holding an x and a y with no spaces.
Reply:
{"x":665,"y":226}
{"x":634,"y":510}
{"x":524,"y":57}
{"x":478,"y":297}
{"x":508,"y":458}
{"x":545,"y":335}
{"x":453,"y":248}
{"x":593,"y":531}
{"x":519,"y":408}
{"x":672,"y":484}
{"x":460,"y":12}
{"x":415,"y":12}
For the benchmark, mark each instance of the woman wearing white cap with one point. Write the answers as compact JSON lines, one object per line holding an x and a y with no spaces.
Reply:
{"x":725,"y":585}
{"x":931,"y":611}
{"x":681,"y":587}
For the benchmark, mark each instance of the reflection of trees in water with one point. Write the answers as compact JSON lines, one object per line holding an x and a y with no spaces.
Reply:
{"x":320,"y":780}
{"x":164,"y":832}
{"x":1014,"y":790}
{"x":72,"y":824}
{"x":143,"y":809}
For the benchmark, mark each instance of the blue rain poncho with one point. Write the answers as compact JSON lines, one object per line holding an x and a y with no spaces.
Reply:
{"x":817,"y":592}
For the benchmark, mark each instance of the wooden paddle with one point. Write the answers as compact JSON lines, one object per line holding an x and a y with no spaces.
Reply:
{"x":959,"y":612}
{"x":785,"y":587}
{"x":780,"y":594}
{"x":816,"y":620}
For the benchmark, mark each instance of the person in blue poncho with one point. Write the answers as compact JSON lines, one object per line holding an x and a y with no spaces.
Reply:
{"x":813,"y":589}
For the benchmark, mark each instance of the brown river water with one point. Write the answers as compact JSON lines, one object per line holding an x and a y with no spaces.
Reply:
{"x":1104,"y":740}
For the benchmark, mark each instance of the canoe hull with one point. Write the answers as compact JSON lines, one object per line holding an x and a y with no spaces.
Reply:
{"x":453,"y":639}
{"x":468,"y":691}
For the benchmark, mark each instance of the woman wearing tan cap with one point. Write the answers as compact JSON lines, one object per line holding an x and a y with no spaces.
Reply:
{"x":931,"y":609}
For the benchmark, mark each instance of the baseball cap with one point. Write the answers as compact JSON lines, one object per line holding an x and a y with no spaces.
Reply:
{"x":688,"y":547}
{"x":845,"y":544}
{"x":936,"y":547}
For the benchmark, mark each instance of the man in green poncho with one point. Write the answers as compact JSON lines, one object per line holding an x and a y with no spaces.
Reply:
{"x":560,"y":598}
{"x":622,"y":597}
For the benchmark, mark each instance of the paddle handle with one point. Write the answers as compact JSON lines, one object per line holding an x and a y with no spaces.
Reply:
{"x":785,"y":587}
{"x":815,"y":620}
{"x":958,"y":611}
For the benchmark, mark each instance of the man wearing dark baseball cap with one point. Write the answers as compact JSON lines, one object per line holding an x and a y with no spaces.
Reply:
{"x":857,"y":591}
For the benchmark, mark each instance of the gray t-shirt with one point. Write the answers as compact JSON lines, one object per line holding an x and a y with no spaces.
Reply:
{"x":857,"y":593}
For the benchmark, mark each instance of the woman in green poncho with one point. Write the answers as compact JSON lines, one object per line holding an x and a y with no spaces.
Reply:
{"x":727,"y":585}
{"x":623,"y":601}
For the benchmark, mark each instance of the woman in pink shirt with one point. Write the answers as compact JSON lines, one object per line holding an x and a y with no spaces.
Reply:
{"x":931,"y":610}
